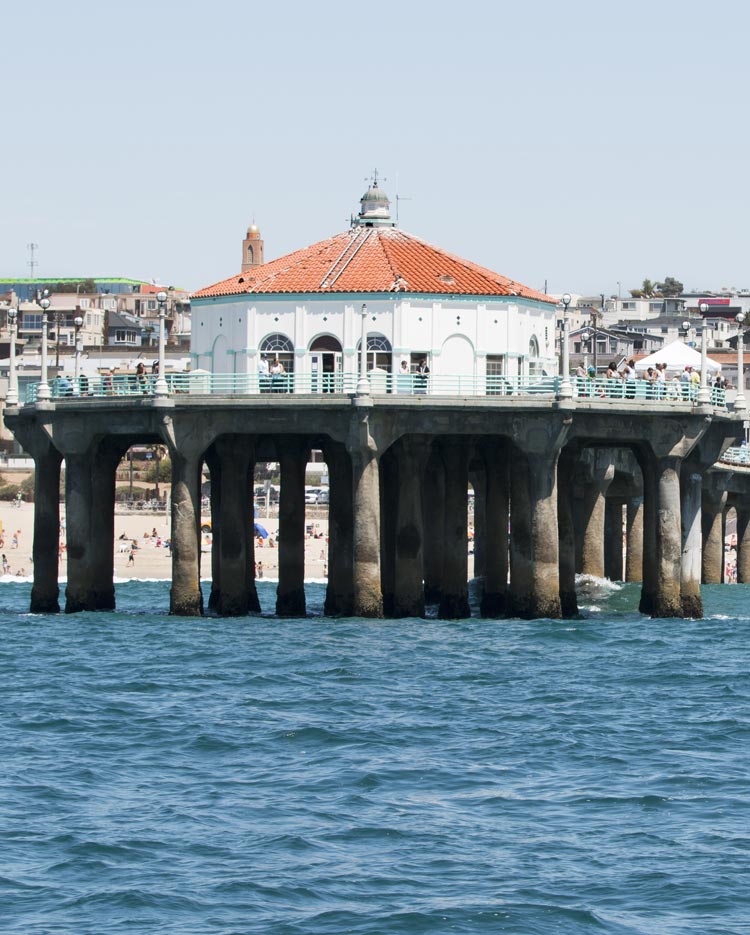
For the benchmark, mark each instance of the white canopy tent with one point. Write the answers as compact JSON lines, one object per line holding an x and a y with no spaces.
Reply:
{"x":676,"y":356}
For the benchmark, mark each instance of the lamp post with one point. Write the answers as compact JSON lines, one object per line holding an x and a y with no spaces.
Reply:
{"x":43,"y":392}
{"x":363,"y":384}
{"x":704,"y":394}
{"x":739,"y":400}
{"x":12,"y":398}
{"x":161,"y":389}
{"x":565,"y":390}
{"x":585,"y":338}
{"x":78,"y":323}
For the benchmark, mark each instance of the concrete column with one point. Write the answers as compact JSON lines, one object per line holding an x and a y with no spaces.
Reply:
{"x":290,"y":594}
{"x":389,"y":483}
{"x":690,"y":572}
{"x":79,"y":591}
{"x":408,"y":590}
{"x":602,"y":474}
{"x":649,"y":578}
{"x":237,"y":595}
{"x":714,"y":503}
{"x":185,"y":598}
{"x":634,"y":540}
{"x":743,"y":545}
{"x":340,"y":589}
{"x":534,"y":545}
{"x":478,"y":520}
{"x":662,"y":526}
{"x":368,"y":599}
{"x":45,"y":590}
{"x":433,"y":510}
{"x":454,"y":597}
{"x":213,"y":462}
{"x":495,"y":526}
{"x":103,"y":483}
{"x":566,"y":532}
{"x":613,"y":552}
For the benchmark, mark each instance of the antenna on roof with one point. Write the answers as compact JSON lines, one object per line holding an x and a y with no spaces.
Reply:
{"x":401,"y":198}
{"x":32,"y":264}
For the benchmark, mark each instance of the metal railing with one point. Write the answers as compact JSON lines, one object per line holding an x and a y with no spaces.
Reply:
{"x":736,"y":455}
{"x":203,"y":383}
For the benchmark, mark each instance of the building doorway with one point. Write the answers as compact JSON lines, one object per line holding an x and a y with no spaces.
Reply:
{"x":326,"y":365}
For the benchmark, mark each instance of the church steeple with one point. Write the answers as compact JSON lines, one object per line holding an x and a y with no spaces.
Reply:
{"x":252,"y":248}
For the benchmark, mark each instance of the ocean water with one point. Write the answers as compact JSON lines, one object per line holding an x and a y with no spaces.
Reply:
{"x":200,"y":776}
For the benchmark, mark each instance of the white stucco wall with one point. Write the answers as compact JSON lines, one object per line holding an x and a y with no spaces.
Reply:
{"x":454,"y":333}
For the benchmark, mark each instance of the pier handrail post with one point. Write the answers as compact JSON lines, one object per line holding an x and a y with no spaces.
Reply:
{"x":43,"y":393}
{"x":363,"y":384}
{"x":161,"y":389}
{"x":739,"y":401}
{"x":704,"y":394}
{"x":565,"y":390}
{"x":78,"y":323}
{"x":12,"y":397}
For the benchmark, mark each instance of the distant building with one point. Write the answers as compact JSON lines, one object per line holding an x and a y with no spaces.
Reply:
{"x":69,"y":299}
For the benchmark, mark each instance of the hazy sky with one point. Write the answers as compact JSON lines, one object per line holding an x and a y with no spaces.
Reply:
{"x":582,"y":143}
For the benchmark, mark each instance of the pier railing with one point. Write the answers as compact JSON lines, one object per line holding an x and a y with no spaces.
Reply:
{"x":202,"y":383}
{"x":737,"y":455}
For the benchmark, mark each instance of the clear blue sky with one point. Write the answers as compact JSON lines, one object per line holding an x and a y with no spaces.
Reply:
{"x":582,"y":143}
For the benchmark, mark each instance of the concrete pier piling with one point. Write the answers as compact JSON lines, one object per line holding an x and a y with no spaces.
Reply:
{"x":549,"y":484}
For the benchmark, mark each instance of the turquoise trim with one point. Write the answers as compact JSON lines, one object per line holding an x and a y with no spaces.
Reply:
{"x":356,"y":298}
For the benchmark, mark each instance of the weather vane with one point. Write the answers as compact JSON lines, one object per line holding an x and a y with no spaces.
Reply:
{"x":374,"y":178}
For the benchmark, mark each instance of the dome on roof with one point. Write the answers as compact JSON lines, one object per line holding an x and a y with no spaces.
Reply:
{"x":374,"y":193}
{"x":376,"y":208}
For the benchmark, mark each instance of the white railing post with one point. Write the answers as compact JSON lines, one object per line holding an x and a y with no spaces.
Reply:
{"x":363,"y":385}
{"x":565,"y":390}
{"x":12,"y":397}
{"x":43,"y":393}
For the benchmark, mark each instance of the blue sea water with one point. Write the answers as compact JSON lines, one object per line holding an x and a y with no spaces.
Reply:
{"x":200,"y":776}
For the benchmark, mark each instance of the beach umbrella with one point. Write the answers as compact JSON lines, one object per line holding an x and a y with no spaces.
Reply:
{"x":261,"y":531}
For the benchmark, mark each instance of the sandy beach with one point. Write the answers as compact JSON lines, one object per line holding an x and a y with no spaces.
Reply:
{"x":151,"y":559}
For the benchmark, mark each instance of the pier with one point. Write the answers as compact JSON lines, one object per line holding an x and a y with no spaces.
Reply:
{"x":552,"y":479}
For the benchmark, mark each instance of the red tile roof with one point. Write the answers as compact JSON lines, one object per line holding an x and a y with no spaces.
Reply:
{"x":371,"y":259}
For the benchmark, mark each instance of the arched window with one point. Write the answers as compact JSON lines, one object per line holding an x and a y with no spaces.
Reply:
{"x":379,"y":352}
{"x":279,"y":345}
{"x":535,"y":366}
{"x":249,"y":253}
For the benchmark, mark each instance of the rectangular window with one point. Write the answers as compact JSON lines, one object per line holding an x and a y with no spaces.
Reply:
{"x":119,"y":337}
{"x":85,"y":303}
{"x":628,"y":306}
{"x":32,"y":321}
{"x":151,"y":305}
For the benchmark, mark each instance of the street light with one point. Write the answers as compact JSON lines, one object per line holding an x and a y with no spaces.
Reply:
{"x":78,"y":323}
{"x":43,"y":391}
{"x":363,"y":385}
{"x":161,"y":389}
{"x":739,"y":400}
{"x":565,"y":390}
{"x":586,"y":337}
{"x":12,"y":397}
{"x":704,"y":394}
